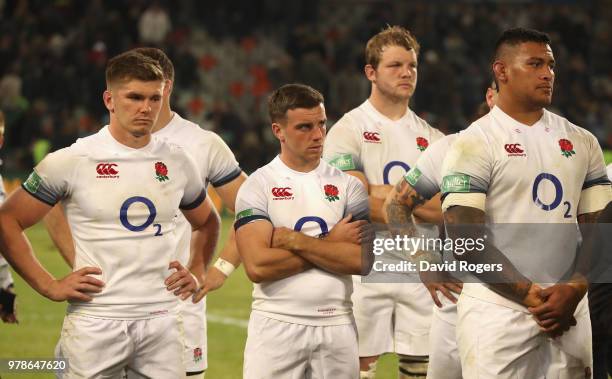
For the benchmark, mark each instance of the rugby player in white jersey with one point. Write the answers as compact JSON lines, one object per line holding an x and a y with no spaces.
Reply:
{"x":301,"y":325}
{"x":8,"y":311}
{"x":419,"y":185}
{"x":378,"y":142}
{"x":600,"y":307}
{"x":122,"y":292}
{"x":217,"y":166}
{"x":522,"y":164}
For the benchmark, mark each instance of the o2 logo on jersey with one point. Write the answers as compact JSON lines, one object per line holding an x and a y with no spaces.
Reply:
{"x":322,"y":224}
{"x":558,"y":194}
{"x":371,"y":137}
{"x":123,"y":215}
{"x":388,"y":168}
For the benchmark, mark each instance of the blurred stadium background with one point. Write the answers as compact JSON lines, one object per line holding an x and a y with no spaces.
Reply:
{"x":228,"y":56}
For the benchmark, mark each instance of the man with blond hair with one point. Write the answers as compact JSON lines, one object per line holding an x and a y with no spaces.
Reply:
{"x":378,"y":142}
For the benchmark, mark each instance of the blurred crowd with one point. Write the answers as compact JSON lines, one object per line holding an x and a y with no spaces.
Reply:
{"x":229,"y":55}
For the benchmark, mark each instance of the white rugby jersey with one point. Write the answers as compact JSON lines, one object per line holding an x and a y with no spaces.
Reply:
{"x":121,"y":205}
{"x":609,"y":170}
{"x":546,"y":173}
{"x":384,"y":150}
{"x":311,"y":203}
{"x":213,"y":158}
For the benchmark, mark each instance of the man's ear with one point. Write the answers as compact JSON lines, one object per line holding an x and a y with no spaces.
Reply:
{"x":277,"y":130}
{"x":370,"y":72}
{"x":168,"y":87}
{"x":500,"y":70}
{"x":108,"y":101}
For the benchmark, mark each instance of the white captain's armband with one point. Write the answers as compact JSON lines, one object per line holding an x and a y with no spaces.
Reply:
{"x":474,"y":200}
{"x":594,"y":199}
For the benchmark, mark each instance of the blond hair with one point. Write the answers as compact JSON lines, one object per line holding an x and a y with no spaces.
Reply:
{"x":390,"y":36}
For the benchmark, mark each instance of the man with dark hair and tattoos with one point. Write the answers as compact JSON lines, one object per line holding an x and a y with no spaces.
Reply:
{"x":522,"y":164}
{"x":419,"y":185}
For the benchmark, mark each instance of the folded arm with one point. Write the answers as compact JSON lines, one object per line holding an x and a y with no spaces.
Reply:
{"x":263,"y":262}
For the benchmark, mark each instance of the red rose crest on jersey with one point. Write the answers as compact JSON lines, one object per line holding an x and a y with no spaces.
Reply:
{"x":197,"y":354}
{"x":161,"y":171}
{"x":422,"y":143}
{"x":107,"y":170}
{"x":567,"y":149}
{"x":282,"y":193}
{"x":331,"y":192}
{"x":371,"y":137}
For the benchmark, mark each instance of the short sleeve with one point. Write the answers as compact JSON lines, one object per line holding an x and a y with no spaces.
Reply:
{"x":342,"y":148}
{"x":596,"y":192}
{"x":194,"y":192}
{"x":50,"y":180}
{"x":597,"y":174}
{"x":223,"y":167}
{"x":467,"y":166}
{"x":357,"y":200}
{"x":251,"y":202}
{"x":426,"y":175}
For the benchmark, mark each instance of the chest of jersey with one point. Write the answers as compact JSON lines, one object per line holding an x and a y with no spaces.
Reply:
{"x":311,"y":204}
{"x":537,"y":172}
{"x":136,"y":195}
{"x":388,"y":151}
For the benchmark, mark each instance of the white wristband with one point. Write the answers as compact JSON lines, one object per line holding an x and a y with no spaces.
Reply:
{"x":224,"y":266}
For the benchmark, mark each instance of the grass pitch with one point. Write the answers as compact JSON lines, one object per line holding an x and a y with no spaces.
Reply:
{"x":40,"y":319}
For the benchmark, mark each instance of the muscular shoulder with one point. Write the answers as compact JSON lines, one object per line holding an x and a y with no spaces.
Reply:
{"x":573,"y":130}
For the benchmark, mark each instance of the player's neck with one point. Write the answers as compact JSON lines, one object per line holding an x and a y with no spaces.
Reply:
{"x":392,"y":108}
{"x":520,"y":112}
{"x":165,"y":116}
{"x":126,"y":138}
{"x":297,"y":164}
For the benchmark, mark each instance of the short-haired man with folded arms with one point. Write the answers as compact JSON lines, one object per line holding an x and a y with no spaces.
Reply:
{"x":302,"y":322}
{"x":378,"y":142}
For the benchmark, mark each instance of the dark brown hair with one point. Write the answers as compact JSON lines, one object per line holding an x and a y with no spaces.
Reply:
{"x":292,"y":96}
{"x":131,"y":65}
